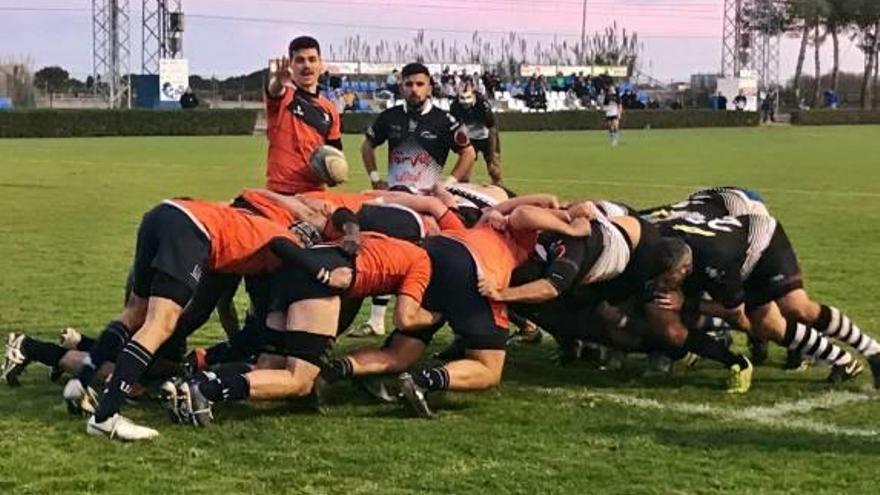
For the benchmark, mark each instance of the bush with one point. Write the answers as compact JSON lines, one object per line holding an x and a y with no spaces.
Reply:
{"x":835,"y":117}
{"x":87,"y":123}
{"x":583,"y":120}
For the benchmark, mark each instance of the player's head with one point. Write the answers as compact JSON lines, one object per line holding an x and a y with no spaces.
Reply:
{"x":416,"y":84}
{"x":676,"y":262}
{"x":467,"y":97}
{"x":305,"y":61}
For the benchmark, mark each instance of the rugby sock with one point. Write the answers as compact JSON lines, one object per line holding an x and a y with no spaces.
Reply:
{"x":226,"y":387}
{"x":338,"y":369}
{"x":810,"y":343}
{"x":377,"y":312}
{"x":130,"y":367}
{"x":834,"y":323}
{"x":42,"y":352}
{"x":240,"y":347}
{"x":703,"y":345}
{"x":432,"y":379}
{"x":105,"y":349}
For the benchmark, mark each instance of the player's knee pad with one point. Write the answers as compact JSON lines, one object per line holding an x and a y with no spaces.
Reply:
{"x":309,"y":347}
{"x":167,"y":287}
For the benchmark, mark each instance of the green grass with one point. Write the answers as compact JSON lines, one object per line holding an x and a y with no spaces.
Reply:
{"x":67,"y":223}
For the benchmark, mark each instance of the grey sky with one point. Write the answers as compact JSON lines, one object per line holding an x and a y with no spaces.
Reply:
{"x":680,"y":36}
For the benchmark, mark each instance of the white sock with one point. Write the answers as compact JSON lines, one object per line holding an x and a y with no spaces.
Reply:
{"x":377,"y":316}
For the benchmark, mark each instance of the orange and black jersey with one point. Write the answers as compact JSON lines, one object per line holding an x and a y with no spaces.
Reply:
{"x":385,"y":265}
{"x":299,"y":122}
{"x":239,"y":237}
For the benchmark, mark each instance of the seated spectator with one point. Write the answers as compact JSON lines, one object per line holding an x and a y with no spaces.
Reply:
{"x":350,"y":101}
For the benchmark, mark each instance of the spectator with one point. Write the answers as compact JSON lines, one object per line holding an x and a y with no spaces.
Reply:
{"x":768,"y":107}
{"x":188,"y":100}
{"x":350,"y":101}
{"x":739,"y":102}
{"x":832,"y":99}
{"x":392,"y":83}
{"x":324,"y":80}
{"x":720,"y":102}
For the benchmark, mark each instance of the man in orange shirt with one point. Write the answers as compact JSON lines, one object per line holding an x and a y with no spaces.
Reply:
{"x":459,"y":258}
{"x":300,"y":119}
{"x":307,"y":319}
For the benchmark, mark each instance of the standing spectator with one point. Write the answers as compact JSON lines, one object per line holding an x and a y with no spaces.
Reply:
{"x":768,"y":107}
{"x":300,"y":119}
{"x":720,"y":102}
{"x":324,"y":81}
{"x":739,"y":102}
{"x":392,"y":83}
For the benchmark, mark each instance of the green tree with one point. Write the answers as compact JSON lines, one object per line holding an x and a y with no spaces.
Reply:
{"x":52,"y":79}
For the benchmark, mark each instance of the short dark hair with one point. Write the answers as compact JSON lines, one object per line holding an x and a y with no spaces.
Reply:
{"x":302,"y":43}
{"x":671,"y":251}
{"x":413,"y":69}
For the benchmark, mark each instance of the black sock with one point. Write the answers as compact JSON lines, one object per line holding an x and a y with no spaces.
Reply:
{"x":42,"y":352}
{"x":229,"y":387}
{"x":709,"y":348}
{"x":85,"y":344}
{"x":106,"y":348}
{"x":130,"y":367}
{"x":432,"y":379}
{"x":240,"y":347}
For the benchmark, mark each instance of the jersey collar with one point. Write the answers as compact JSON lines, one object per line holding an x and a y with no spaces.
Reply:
{"x":426,"y":107}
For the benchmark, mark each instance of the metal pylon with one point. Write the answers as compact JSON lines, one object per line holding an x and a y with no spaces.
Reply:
{"x":111,"y":51}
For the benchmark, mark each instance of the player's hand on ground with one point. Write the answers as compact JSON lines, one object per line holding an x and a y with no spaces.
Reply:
{"x":669,"y":300}
{"x":340,"y":278}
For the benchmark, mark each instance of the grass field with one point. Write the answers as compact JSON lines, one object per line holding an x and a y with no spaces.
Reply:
{"x":67,"y":223}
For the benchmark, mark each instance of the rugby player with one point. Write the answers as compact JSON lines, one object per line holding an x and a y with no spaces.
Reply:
{"x":493,"y":248}
{"x":738,"y":262}
{"x":475,"y":113}
{"x":622,"y":259}
{"x":178,"y":242}
{"x":420,"y":137}
{"x":300,"y":119}
{"x":298,"y":342}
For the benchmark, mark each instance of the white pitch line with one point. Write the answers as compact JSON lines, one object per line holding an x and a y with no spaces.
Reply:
{"x":771,"y":416}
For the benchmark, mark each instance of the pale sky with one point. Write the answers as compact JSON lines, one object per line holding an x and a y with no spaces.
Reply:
{"x":680,"y":37}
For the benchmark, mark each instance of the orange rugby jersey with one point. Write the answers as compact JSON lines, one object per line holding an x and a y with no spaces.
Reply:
{"x":385,"y":265}
{"x":238,"y":237}
{"x":496,"y":255}
{"x":298,"y":123}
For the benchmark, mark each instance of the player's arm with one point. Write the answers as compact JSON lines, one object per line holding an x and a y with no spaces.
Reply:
{"x":541,"y":200}
{"x":541,"y":219}
{"x":735,"y":316}
{"x":334,"y":137}
{"x":429,"y":205}
{"x":295,"y":256}
{"x":296,"y":207}
{"x":410,"y":315}
{"x":461,"y":144}
{"x":667,"y":323}
{"x":560,"y":276}
{"x":374,"y":137}
{"x":465,"y":163}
